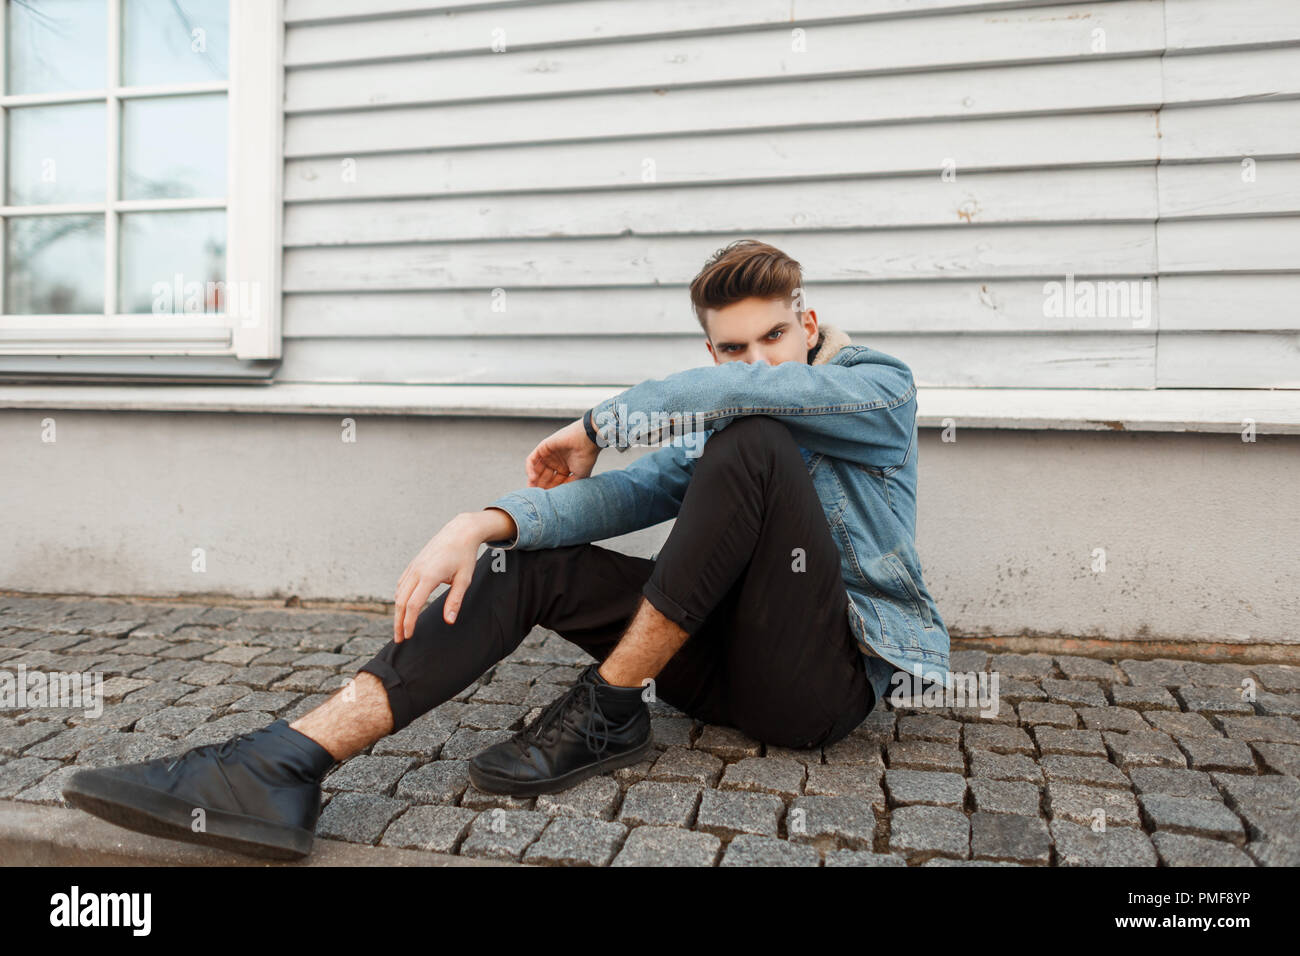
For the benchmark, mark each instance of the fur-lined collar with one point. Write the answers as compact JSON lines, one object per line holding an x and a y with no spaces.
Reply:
{"x":832,"y":340}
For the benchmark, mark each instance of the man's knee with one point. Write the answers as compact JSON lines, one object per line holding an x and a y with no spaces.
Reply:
{"x":755,"y":439}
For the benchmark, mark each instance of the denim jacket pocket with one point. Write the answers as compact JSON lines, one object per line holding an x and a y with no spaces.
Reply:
{"x":906,"y":581}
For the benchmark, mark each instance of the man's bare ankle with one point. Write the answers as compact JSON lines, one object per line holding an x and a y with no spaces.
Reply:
{"x":356,"y":716}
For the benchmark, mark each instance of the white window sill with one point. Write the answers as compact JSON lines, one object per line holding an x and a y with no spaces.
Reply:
{"x":1169,"y":410}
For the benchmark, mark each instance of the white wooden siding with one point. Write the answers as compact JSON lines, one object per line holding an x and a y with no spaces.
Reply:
{"x":423,"y":171}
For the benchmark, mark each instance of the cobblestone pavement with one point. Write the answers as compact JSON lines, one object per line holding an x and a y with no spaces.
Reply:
{"x":1182,"y":769}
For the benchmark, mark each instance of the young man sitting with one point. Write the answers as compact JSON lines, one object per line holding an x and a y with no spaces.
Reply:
{"x":785,"y":597}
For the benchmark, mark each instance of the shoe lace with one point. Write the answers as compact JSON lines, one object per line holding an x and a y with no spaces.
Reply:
{"x":223,"y":749}
{"x":551,"y":721}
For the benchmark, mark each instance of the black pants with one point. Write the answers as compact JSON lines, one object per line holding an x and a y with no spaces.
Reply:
{"x":750,"y":571}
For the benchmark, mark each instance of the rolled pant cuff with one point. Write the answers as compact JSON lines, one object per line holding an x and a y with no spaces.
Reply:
{"x":399,"y":701}
{"x":671,"y":609}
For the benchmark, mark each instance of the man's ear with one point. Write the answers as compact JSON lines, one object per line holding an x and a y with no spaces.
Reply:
{"x":816,"y":326}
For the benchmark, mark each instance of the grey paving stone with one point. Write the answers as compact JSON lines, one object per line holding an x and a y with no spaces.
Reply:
{"x":750,"y":850}
{"x":1217,"y":675}
{"x":847,"y":780}
{"x":328,"y":641}
{"x":1213,"y":700}
{"x":1165,"y":673}
{"x":1269,"y":791}
{"x":924,"y":755}
{"x":671,"y":731}
{"x":223,"y":728}
{"x":1113,"y":718}
{"x":937,"y":789}
{"x":1052,"y":715}
{"x":1142,"y":697}
{"x":1191,"y":815}
{"x":809,"y":757}
{"x":358,"y":817}
{"x":507,"y":692}
{"x":116,"y":688}
{"x":1174,"y":782}
{"x":237,"y":655}
{"x":1271,"y":824}
{"x":668,"y":846}
{"x":966,"y":661}
{"x":577,"y":841}
{"x":322,"y":659}
{"x":833,"y":822}
{"x":726,"y":813}
{"x":441,"y":781}
{"x":1075,"y":743}
{"x":273,"y":702}
{"x":160,"y":693}
{"x":18,"y":737}
{"x":262,"y":675}
{"x":1277,"y":678}
{"x":465,"y":743}
{"x":166,"y":670}
{"x":1267,"y":853}
{"x":305,"y":680}
{"x":1146,"y":748}
{"x":998,"y":739}
{"x":1089,"y":668}
{"x":1004,"y":767}
{"x":627,"y":776}
{"x":779,"y":775}
{"x":878,"y":727}
{"x":173,"y":721}
{"x":368,"y":774}
{"x":1278,"y":705}
{"x":863,"y":858}
{"x":503,"y":834}
{"x":188,"y":651}
{"x":1010,"y":837}
{"x":1091,"y":771}
{"x":1092,"y":806}
{"x":1278,"y":758}
{"x":1074,"y":693}
{"x":596,"y":797}
{"x":49,"y":789}
{"x":1023,"y":666}
{"x":1078,"y":845}
{"x":1180,"y":849}
{"x":207,"y":674}
{"x":920,"y":833}
{"x":423,"y":737}
{"x":858,"y":749}
{"x":1013,"y":693}
{"x":1005,"y":796}
{"x":929,"y":727}
{"x":680,"y":765}
{"x":655,"y":803}
{"x":1179,"y":725}
{"x":19,"y":774}
{"x":727,"y":742}
{"x":67,"y":743}
{"x":123,"y":748}
{"x":1282,"y":730}
{"x":482,"y":800}
{"x":213,"y":698}
{"x":120,"y":716}
{"x":438,"y":829}
{"x":1218,"y":753}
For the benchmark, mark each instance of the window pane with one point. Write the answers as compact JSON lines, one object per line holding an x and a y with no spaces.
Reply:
{"x":56,"y":154}
{"x":174,"y":147}
{"x":171,"y":261}
{"x":174,"y":41}
{"x":54,"y":265}
{"x":57,"y":45}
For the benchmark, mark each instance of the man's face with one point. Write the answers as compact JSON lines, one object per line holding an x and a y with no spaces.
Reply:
{"x":755,"y":329}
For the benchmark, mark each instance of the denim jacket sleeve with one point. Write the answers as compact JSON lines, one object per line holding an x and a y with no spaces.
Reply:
{"x":646,"y":492}
{"x":860,"y":407}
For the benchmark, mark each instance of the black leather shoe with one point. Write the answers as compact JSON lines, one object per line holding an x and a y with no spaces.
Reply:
{"x":591,"y":728}
{"x":259,"y":793}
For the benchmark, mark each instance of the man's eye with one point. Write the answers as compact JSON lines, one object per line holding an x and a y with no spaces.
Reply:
{"x":778,"y":333}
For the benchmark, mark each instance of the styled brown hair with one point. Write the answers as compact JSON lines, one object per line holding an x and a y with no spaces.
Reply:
{"x":742,"y":269}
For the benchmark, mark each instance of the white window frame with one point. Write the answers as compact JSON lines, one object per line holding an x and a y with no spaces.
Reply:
{"x":253,"y":204}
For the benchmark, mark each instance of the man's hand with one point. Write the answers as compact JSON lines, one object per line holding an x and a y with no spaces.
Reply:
{"x":448,"y":558}
{"x":565,"y":456}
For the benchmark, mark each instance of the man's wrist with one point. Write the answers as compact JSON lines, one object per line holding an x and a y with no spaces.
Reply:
{"x":591,"y":429}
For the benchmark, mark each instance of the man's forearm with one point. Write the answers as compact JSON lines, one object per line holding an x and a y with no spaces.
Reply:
{"x":490,"y":524}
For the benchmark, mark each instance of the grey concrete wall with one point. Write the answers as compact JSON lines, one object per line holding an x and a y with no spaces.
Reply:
{"x":1199,"y":531}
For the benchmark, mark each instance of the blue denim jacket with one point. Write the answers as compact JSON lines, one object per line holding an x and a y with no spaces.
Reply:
{"x":852,"y":411}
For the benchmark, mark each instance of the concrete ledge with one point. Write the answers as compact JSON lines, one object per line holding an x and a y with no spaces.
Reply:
{"x":38,"y":835}
{"x":1274,"y":411}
